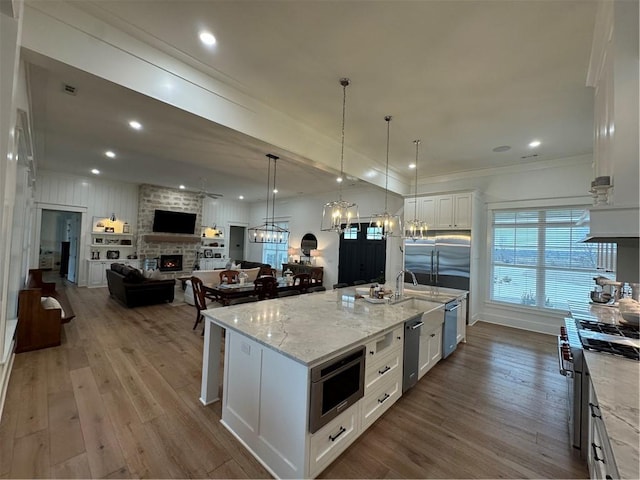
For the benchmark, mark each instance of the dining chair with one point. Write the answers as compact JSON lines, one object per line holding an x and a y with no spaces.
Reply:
{"x":229,"y":276}
{"x":316,"y":275}
{"x":199,"y":299}
{"x":266,"y":287}
{"x":302,"y":281}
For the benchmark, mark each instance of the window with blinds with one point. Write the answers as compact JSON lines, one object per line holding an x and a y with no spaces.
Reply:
{"x":538,"y":258}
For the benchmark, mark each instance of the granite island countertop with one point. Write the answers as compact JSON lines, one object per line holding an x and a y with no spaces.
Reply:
{"x":433,"y":294}
{"x":616,"y":382}
{"x":314,"y":327}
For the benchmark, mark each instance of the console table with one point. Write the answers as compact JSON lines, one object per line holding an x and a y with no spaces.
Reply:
{"x":316,"y":272}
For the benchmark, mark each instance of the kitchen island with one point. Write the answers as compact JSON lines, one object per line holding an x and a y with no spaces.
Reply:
{"x":270,"y":349}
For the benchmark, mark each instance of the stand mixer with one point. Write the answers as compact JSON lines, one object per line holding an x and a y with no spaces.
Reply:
{"x":606,"y":290}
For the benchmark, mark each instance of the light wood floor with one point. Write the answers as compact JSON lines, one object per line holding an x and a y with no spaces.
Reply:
{"x":119,"y":399}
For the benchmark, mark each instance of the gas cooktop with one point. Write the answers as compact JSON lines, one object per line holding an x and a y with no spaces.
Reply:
{"x":618,"y":340}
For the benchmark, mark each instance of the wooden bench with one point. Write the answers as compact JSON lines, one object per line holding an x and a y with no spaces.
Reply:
{"x":49,"y":290}
{"x":40,"y":327}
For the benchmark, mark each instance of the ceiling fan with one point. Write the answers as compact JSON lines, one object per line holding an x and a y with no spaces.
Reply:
{"x":204,"y":193}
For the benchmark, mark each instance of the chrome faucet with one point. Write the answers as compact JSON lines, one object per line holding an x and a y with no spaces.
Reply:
{"x":400,"y":285}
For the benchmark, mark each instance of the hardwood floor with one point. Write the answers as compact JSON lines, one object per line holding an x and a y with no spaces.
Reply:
{"x":119,"y":399}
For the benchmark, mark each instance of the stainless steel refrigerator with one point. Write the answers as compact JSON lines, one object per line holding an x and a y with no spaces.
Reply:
{"x":442,"y":259}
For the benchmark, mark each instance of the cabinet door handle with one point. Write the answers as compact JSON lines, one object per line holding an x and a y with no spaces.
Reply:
{"x":333,"y":437}
{"x":593,"y":413}
{"x":383,"y":399}
{"x":595,"y":453}
{"x":417,"y":325}
{"x":432,"y":335}
{"x":384,"y":370}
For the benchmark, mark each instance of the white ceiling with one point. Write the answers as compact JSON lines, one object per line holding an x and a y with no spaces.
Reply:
{"x":463,"y":76}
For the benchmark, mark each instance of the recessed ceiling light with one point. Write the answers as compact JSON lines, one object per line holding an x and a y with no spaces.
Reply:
{"x":110,"y":154}
{"x":534,"y":144}
{"x":339,"y":179}
{"x":207,"y":38}
{"x":182,"y":187}
{"x":412,"y":165}
{"x":135,"y":124}
{"x":241,"y":197}
{"x":502,"y":148}
{"x":95,"y":171}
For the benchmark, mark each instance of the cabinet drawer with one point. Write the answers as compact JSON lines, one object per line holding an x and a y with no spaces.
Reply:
{"x":382,"y":367}
{"x":385,"y":343}
{"x":379,"y":399}
{"x":332,"y":439}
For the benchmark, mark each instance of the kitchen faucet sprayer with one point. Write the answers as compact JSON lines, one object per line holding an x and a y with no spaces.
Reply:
{"x":400,"y":285}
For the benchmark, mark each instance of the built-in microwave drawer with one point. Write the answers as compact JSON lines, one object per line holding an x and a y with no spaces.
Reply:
{"x":381,"y":367}
{"x":384,"y":343}
{"x":332,"y":439}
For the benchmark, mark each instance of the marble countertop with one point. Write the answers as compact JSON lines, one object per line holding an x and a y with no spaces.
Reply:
{"x":315,"y":327}
{"x":595,"y":312}
{"x":616,"y":383}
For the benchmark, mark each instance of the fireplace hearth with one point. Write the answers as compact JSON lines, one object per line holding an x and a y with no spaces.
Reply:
{"x":170,"y":263}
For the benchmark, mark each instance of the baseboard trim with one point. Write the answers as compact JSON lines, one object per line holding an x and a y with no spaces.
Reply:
{"x":5,"y":374}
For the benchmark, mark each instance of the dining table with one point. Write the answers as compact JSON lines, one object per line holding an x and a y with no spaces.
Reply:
{"x":226,"y":292}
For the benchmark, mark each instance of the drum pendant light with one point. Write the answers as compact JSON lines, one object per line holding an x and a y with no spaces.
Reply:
{"x":390,"y":224}
{"x":340,"y":215}
{"x":415,"y":229}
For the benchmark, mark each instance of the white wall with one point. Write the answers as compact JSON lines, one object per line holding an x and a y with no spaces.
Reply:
{"x":97,"y":197}
{"x":304,"y":214}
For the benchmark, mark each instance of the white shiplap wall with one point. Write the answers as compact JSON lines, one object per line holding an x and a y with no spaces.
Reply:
{"x":99,"y":197}
{"x":223,"y":212}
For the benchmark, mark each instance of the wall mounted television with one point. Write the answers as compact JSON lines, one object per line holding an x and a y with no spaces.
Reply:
{"x":165,"y":221}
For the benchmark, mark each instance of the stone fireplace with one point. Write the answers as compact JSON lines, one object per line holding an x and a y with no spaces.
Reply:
{"x":157,"y":245}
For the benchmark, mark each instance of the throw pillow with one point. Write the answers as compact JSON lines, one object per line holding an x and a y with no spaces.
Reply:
{"x":156,"y":275}
{"x":50,"y":302}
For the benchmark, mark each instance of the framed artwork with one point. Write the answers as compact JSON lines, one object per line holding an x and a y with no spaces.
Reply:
{"x":208,"y":253}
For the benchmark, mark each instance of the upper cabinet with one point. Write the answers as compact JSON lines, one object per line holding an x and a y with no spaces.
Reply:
{"x":451,"y":211}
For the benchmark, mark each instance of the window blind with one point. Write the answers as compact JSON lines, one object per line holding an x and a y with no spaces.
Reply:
{"x":538,"y":258}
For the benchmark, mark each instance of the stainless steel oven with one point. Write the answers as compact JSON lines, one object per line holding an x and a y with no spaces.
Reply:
{"x":335,"y":386}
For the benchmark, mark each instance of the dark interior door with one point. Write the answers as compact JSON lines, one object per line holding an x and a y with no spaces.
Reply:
{"x":362,"y":255}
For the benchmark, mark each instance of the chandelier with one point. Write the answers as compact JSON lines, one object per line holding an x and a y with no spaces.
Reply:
{"x":338,"y":216}
{"x":269,"y":232}
{"x":415,"y":229}
{"x":390,"y":224}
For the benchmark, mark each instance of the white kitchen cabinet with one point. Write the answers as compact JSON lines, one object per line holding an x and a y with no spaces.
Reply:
{"x":600,"y":456}
{"x":430,"y":351}
{"x":462,"y":320}
{"x":97,"y":273}
{"x":453,"y":211}
{"x":331,"y":440}
{"x":380,"y":398}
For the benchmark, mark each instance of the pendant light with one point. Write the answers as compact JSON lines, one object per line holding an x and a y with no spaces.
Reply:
{"x":340,"y":215}
{"x":390,"y":224}
{"x":416,"y":229}
{"x":269,"y":232}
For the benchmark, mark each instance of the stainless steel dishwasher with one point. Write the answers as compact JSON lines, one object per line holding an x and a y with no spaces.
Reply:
{"x":411,"y":352}
{"x":450,"y":331}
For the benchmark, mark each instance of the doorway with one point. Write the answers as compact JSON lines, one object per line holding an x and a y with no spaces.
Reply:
{"x":236,"y":242}
{"x":362,"y":254}
{"x":59,"y":238}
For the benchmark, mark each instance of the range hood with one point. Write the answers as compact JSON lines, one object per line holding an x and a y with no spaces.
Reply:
{"x":613,"y":224}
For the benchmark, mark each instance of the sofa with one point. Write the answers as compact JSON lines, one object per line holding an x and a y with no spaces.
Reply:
{"x":212,"y":277}
{"x":128,"y":285}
